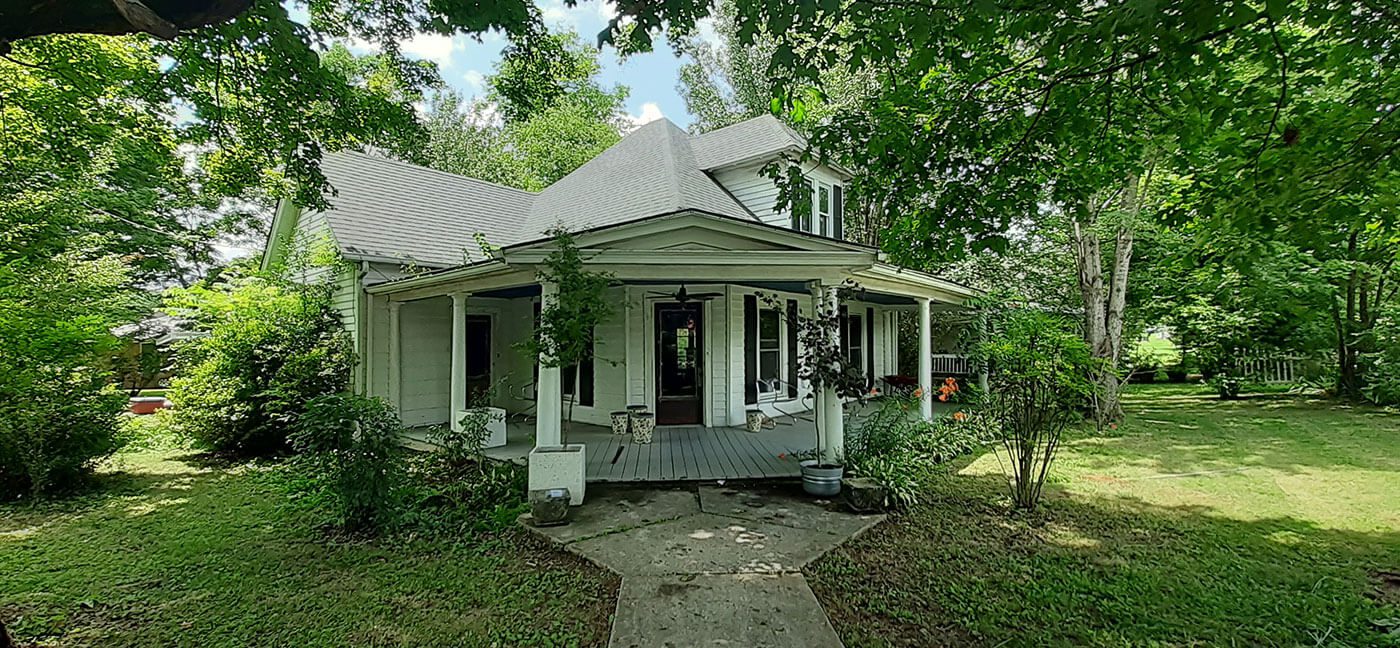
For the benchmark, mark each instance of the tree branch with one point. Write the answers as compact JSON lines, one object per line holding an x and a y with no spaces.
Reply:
{"x":162,"y":18}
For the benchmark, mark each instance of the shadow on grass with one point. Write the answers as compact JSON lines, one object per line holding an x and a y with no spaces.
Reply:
{"x":963,"y":570}
{"x":171,"y":551}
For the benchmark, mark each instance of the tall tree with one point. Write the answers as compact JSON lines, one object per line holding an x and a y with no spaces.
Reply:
{"x":544,"y":116}
{"x":999,"y":110}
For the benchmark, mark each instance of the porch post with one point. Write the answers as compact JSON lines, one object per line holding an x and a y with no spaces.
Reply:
{"x":832,"y":414}
{"x":548,"y":407}
{"x":395,"y":355}
{"x":925,"y":359}
{"x":818,"y":395}
{"x":459,"y":359}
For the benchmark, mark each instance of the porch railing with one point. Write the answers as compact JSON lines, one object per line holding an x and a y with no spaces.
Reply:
{"x":949,"y":364}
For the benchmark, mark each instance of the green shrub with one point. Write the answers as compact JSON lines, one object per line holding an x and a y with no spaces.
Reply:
{"x":352,"y":450}
{"x":1381,"y":369}
{"x":1040,"y":384}
{"x":483,"y":497}
{"x":272,"y":345}
{"x":895,"y":448}
{"x":58,"y":415}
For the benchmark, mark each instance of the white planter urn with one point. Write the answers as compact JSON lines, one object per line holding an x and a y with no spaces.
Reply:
{"x":558,"y":467}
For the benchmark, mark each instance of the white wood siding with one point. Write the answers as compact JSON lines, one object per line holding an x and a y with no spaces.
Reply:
{"x":425,"y":342}
{"x":759,"y":194}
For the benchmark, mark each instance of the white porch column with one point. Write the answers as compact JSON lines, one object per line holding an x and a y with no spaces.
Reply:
{"x":925,"y":359}
{"x":395,"y":371}
{"x":548,"y":394}
{"x":834,"y":444}
{"x":982,"y":368}
{"x":818,"y":395}
{"x":459,"y":359}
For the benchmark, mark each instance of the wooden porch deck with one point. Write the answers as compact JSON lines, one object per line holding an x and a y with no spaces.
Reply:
{"x":677,"y":452}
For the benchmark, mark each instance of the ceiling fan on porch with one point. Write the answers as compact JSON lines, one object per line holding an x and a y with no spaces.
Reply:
{"x":682,"y":296}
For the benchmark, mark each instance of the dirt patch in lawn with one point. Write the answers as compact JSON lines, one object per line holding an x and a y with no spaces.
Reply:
{"x":1387,"y":587}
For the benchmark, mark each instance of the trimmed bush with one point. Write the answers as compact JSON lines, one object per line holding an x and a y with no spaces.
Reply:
{"x":353,"y":452}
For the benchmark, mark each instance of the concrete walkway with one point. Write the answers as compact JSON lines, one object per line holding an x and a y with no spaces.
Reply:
{"x":711,"y":565}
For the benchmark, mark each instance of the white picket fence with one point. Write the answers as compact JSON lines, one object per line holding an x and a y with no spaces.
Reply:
{"x":1269,"y":368}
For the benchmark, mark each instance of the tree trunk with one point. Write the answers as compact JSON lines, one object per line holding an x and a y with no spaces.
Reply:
{"x":1104,"y":306}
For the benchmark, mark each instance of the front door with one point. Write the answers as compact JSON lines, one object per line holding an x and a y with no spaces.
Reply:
{"x":678,"y":374}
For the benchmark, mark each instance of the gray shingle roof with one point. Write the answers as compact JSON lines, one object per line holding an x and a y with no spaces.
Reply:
{"x":386,"y":209}
{"x":395,"y":210}
{"x":758,"y":137}
{"x":651,"y":171}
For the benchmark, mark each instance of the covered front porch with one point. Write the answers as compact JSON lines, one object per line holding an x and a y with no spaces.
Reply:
{"x":700,"y":338}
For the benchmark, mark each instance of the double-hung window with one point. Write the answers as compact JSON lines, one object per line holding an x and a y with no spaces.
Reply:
{"x":855,"y":342}
{"x":824,"y":210}
{"x":770,"y":351}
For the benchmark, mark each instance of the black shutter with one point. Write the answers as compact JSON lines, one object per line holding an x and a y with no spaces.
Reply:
{"x":838,"y":211}
{"x":792,"y":320}
{"x":585,"y":375}
{"x":750,"y":350}
{"x":869,"y":347}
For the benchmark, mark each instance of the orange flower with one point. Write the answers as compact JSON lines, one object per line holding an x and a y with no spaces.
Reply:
{"x":918,"y":392}
{"x":943,"y":397}
{"x":782,"y":455}
{"x":960,"y":416}
{"x":874,"y":391}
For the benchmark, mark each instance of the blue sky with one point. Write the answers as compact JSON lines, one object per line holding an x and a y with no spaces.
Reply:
{"x":652,"y":77}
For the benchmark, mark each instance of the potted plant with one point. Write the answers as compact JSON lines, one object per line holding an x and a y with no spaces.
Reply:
{"x":824,"y":365}
{"x":563,"y":338}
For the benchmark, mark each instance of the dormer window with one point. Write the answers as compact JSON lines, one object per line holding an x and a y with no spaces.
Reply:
{"x":822,"y":212}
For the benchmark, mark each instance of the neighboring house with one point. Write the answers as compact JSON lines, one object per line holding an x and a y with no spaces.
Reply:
{"x":436,"y":318}
{"x":144,"y":360}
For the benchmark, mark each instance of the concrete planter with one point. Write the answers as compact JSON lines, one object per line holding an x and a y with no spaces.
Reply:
{"x":558,"y":467}
{"x":642,"y":427}
{"x":820,"y":479}
{"x":619,"y":420}
{"x":863,"y":495}
{"x":495,"y":427}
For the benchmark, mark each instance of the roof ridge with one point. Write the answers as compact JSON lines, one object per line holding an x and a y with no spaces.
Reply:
{"x":737,"y":123}
{"x":394,"y":160}
{"x":672,"y":167}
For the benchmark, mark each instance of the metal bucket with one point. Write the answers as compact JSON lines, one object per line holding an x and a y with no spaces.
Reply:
{"x":821,"y":481}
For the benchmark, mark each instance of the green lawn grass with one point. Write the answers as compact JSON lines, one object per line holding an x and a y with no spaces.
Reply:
{"x":1262,"y":522}
{"x":171,"y":551}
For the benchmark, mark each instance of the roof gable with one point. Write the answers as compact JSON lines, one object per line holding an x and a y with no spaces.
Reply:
{"x":387,"y":210}
{"x":649,"y":172}
{"x":761,"y":137}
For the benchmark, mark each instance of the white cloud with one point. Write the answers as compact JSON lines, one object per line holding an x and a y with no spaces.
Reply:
{"x":705,"y":29}
{"x":606,"y":10}
{"x":475,"y":79}
{"x":650,"y":113}
{"x":434,"y":47}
